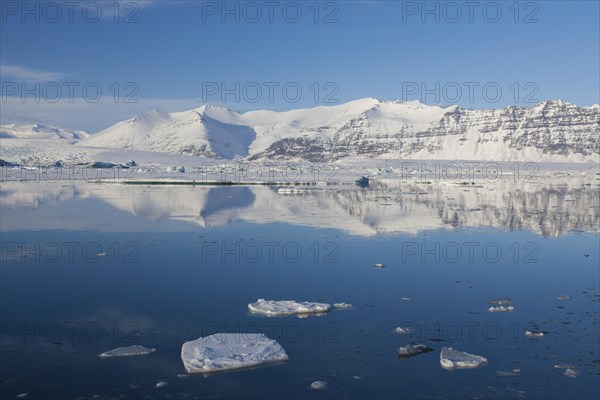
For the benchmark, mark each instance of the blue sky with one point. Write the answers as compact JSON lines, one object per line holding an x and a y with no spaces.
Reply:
{"x":175,"y":55}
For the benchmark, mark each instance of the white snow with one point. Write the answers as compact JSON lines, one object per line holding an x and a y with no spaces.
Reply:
{"x":127,"y":351}
{"x":451,"y":359}
{"x":230,"y":351}
{"x":287,"y":307}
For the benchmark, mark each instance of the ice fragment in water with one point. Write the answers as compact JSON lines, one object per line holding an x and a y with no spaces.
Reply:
{"x":413,"y":350}
{"x":534,"y":334}
{"x":287,"y":307}
{"x":318,"y":385}
{"x":501,"y":309}
{"x":401,"y":330}
{"x":127,"y":351}
{"x":503,"y":301}
{"x":564,"y":297}
{"x":161,"y":384}
{"x":341,"y":306}
{"x":379,"y":265}
{"x":570,"y":372}
{"x":502,"y":374}
{"x":450,"y":359}
{"x":230,"y":351}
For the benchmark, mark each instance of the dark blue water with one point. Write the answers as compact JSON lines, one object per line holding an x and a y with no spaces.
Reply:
{"x":62,"y":304}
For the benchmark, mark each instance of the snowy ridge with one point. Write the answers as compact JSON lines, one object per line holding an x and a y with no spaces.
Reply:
{"x":41,"y":132}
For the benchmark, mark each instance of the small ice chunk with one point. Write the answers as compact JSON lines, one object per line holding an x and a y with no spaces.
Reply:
{"x":127,"y":352}
{"x":230,"y":351}
{"x":379,"y":265}
{"x":503,"y":374}
{"x":413,"y":350}
{"x":341,"y":306}
{"x":534,"y":334}
{"x":318,"y":385}
{"x":161,"y":384}
{"x":287,"y":307}
{"x":406,"y":299}
{"x":22,"y":395}
{"x":503,"y":301}
{"x":564,"y":297}
{"x":563,"y":366}
{"x":501,"y":309}
{"x":450,"y":359}
{"x":570,"y":372}
{"x":401,"y":330}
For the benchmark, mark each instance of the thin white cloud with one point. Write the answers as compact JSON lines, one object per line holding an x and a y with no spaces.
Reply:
{"x":21,"y":73}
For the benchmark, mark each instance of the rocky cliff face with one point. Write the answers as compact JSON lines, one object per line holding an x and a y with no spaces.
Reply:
{"x":554,"y":130}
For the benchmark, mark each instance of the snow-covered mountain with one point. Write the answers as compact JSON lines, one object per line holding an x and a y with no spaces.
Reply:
{"x":196,"y":132}
{"x":41,"y":132}
{"x":367,"y":128}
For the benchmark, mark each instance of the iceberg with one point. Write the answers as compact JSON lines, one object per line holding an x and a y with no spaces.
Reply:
{"x":287,"y":307}
{"x":230,"y":351}
{"x":379,"y":265}
{"x":413,"y":350}
{"x":400,"y":330}
{"x":451,"y":359}
{"x":127,"y":352}
{"x":161,"y":384}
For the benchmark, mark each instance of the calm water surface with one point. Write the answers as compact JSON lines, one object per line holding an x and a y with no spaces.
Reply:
{"x":87,"y":268}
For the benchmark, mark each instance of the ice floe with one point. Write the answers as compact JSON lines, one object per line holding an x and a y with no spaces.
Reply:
{"x":161,"y":384}
{"x":506,"y":374}
{"x":564,"y":297}
{"x":501,"y":309}
{"x":401,"y":330}
{"x":413,"y":350}
{"x":318,"y":385}
{"x":379,"y":265}
{"x":230,"y":351}
{"x":534,"y":334}
{"x":341,"y":306}
{"x":503,"y":301}
{"x":127,"y":352}
{"x":451,"y":359}
{"x":570,"y":372}
{"x":288,"y":307}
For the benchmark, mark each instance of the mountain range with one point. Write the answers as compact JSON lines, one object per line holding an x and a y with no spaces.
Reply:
{"x":553,"y":131}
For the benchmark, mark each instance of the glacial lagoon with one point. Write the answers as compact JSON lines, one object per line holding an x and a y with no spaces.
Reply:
{"x":90,"y":267}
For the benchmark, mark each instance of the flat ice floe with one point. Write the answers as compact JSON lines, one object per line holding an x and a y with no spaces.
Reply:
{"x":341,"y":306}
{"x":230,"y":351}
{"x":288,"y":307}
{"x":451,"y":359}
{"x":501,"y":309}
{"x":127,"y":352}
{"x":413,"y":350}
